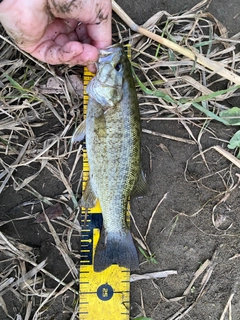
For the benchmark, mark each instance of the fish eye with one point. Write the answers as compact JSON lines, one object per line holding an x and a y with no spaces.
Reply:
{"x":118,"y":67}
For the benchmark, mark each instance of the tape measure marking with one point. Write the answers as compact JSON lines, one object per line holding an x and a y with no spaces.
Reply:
{"x":103,"y":295}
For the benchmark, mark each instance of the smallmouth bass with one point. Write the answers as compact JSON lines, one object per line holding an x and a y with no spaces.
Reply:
{"x":112,"y":129}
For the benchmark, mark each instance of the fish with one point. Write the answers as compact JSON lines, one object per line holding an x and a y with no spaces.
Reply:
{"x":112,"y":129}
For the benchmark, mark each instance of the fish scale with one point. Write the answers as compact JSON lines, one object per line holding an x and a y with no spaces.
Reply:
{"x":103,"y":295}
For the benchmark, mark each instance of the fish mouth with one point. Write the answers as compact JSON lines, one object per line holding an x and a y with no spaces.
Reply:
{"x":110,"y":50}
{"x":110,"y":56}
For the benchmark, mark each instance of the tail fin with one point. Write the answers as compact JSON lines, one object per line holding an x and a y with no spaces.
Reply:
{"x":117,"y":249}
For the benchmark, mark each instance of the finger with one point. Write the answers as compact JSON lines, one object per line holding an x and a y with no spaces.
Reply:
{"x":54,"y":32}
{"x":71,"y":53}
{"x":62,"y":39}
{"x":95,"y":14}
{"x":82,"y":33}
{"x":99,"y":36}
{"x":100,"y":32}
{"x":92,"y":67}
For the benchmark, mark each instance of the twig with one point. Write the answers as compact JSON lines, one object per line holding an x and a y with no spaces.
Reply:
{"x":168,"y":136}
{"x":153,"y":275}
{"x":227,"y":307}
{"x":153,"y":214}
{"x":227,"y":155}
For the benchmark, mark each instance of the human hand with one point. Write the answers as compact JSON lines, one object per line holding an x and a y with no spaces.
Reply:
{"x":59,"y":31}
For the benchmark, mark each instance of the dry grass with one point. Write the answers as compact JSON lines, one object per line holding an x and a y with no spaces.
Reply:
{"x":38,"y":112}
{"x":174,"y":87}
{"x":40,"y":106}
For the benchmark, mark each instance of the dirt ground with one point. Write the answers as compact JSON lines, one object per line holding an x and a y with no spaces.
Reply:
{"x":195,"y":230}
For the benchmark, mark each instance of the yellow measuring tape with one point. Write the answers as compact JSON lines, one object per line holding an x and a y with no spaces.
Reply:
{"x":103,"y":295}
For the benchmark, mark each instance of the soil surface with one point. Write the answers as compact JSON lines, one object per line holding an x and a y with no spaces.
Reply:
{"x":196,"y":225}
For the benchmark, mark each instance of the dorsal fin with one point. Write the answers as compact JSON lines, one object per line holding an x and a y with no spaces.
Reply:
{"x":140,"y":188}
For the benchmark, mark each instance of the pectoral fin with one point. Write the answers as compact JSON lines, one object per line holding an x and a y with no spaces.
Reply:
{"x":140,"y":188}
{"x":80,"y":132}
{"x":89,"y":198}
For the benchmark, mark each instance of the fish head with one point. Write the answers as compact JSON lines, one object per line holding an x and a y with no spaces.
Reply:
{"x":106,"y":87}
